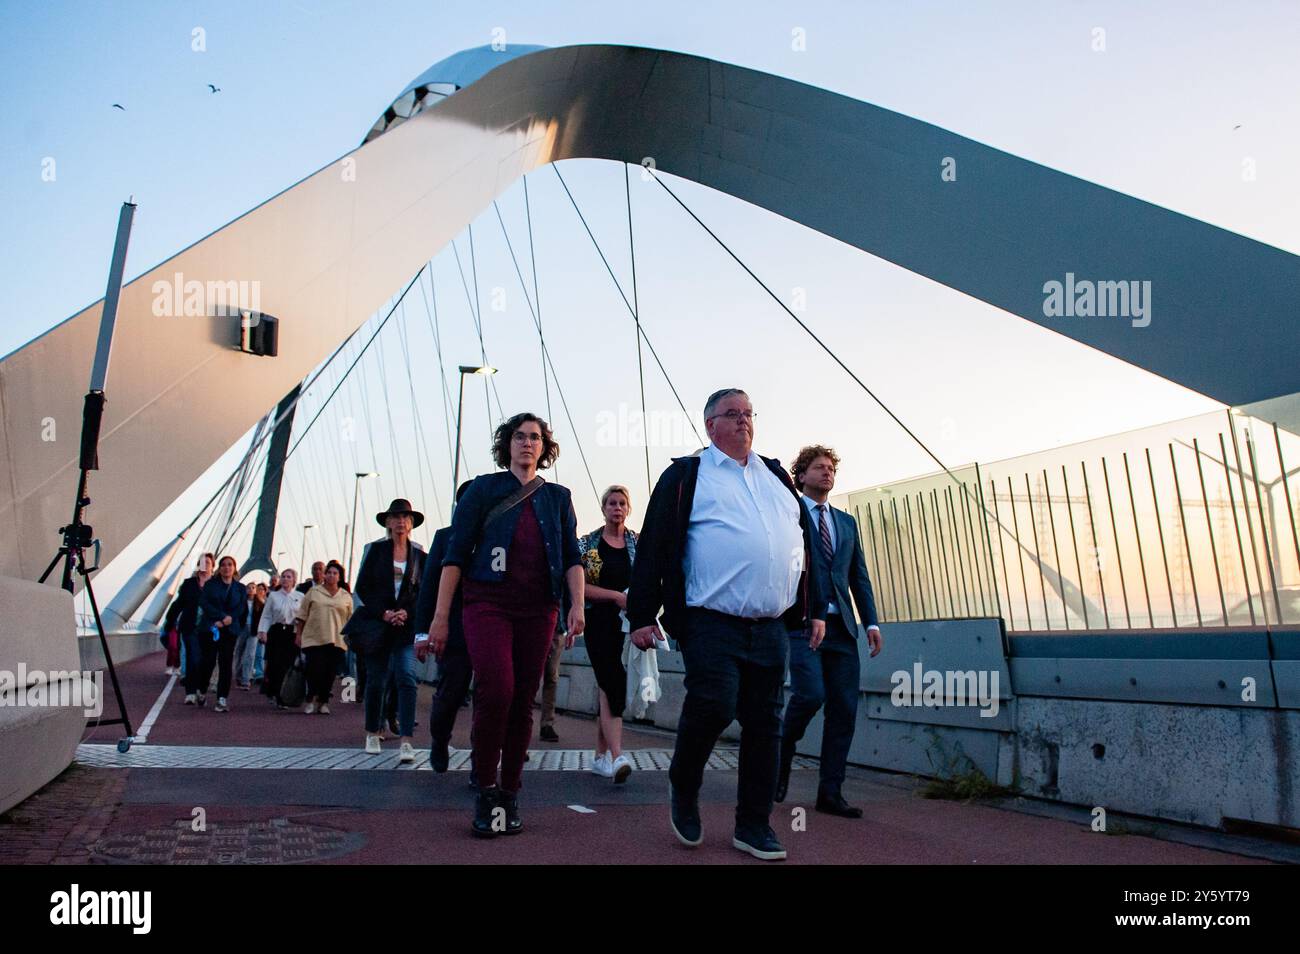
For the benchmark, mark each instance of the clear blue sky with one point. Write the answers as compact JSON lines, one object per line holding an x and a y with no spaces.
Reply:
{"x":301,"y":82}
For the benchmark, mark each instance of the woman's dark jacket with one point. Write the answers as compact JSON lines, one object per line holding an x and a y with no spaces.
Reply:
{"x":374,"y":587}
{"x":220,"y":601}
{"x":183,"y":614}
{"x":472,"y":546}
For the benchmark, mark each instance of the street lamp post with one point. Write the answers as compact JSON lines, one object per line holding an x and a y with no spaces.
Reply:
{"x":352,"y":543}
{"x":460,"y":404}
{"x":303,"y":559}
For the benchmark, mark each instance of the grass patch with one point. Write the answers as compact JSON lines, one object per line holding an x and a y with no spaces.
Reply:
{"x":964,"y":787}
{"x":958,"y":778}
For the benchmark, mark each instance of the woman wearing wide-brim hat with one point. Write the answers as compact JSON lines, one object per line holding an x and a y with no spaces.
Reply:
{"x":382,"y":631}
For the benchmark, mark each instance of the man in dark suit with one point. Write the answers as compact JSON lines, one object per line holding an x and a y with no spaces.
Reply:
{"x":454,"y":668}
{"x":317,"y":577}
{"x":827,"y":671}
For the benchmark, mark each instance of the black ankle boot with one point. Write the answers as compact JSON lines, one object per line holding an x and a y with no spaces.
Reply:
{"x":510,"y":802}
{"x":440,"y":756}
{"x":486,"y":824}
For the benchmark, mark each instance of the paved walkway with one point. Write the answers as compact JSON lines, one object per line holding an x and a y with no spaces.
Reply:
{"x":253,"y":783}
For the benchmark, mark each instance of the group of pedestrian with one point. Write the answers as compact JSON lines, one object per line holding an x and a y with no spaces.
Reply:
{"x":744,"y":565}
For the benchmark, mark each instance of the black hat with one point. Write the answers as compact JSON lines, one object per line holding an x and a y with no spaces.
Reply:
{"x":400,"y":505}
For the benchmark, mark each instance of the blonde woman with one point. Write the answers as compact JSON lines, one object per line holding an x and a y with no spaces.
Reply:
{"x":324,"y":611}
{"x":607,"y":555}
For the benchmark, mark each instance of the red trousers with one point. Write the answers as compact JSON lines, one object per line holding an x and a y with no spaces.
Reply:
{"x":507,"y":645}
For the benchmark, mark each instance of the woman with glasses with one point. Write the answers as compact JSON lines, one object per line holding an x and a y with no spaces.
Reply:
{"x":513,"y":553}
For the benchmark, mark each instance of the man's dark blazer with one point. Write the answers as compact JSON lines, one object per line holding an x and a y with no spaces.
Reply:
{"x":374,"y":587}
{"x":428,"y":600}
{"x":848,"y":570}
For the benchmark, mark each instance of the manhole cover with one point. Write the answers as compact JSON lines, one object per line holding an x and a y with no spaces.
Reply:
{"x":274,"y":842}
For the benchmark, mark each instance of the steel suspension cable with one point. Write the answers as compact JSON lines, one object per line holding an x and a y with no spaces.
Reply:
{"x":689,"y":419}
{"x":636,"y":313}
{"x":546,"y":355}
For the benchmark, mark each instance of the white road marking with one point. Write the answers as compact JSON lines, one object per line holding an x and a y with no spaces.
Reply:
{"x":100,"y":755}
{"x":142,"y":733}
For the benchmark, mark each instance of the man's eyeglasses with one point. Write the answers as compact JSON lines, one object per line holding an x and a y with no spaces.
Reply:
{"x":521,"y":438}
{"x":733,"y":416}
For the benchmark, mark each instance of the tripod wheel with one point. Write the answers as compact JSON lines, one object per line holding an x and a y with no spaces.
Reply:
{"x":124,"y":745}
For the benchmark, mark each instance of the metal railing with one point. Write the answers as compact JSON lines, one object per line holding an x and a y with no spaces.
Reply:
{"x":1187,"y":524}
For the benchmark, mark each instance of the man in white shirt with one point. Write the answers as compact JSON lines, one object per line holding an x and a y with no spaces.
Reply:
{"x":828,"y":672}
{"x":723,"y":551}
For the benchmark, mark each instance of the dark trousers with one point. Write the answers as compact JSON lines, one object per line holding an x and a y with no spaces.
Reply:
{"x":388,"y":705}
{"x":280,"y":655}
{"x":193,"y":660}
{"x":828,"y":676}
{"x":735,"y":669}
{"x":454,"y":674}
{"x":322,"y":666}
{"x":508,"y":643}
{"x":551,"y":679}
{"x":219,"y":653}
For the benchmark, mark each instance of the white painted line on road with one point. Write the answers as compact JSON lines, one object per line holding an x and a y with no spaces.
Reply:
{"x":582,"y":809}
{"x":142,"y":733}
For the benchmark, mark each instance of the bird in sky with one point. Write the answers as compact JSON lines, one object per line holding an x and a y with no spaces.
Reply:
{"x":119,"y":106}
{"x":215,"y":89}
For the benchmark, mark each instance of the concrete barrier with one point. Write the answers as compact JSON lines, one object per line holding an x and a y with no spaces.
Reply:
{"x":123,"y":646}
{"x":37,"y":636}
{"x":1193,"y":727}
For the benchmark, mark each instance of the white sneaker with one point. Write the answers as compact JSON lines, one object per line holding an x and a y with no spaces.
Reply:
{"x":223,"y":705}
{"x":324,"y":709}
{"x":310,"y":709}
{"x":621,"y":769}
{"x":372,"y":745}
{"x":192,"y":699}
{"x":407,"y":753}
{"x":602,"y":765}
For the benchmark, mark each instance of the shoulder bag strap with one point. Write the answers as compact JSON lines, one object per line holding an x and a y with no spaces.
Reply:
{"x":515,"y":499}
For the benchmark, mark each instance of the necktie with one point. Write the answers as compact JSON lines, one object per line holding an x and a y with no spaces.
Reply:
{"x":828,"y":548}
